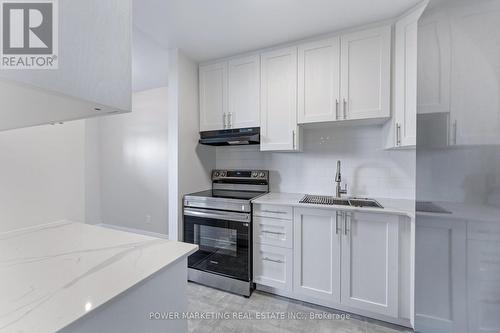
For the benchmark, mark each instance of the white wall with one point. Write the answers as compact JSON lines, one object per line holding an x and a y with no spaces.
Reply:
{"x":367,"y":169}
{"x":149,"y":62}
{"x":132,"y":165}
{"x":464,"y":174}
{"x":93,"y":214}
{"x":42,"y":175}
{"x":190,"y":164}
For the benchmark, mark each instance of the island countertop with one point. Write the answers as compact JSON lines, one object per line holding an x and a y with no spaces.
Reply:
{"x":391,"y":206}
{"x":54,"y":274}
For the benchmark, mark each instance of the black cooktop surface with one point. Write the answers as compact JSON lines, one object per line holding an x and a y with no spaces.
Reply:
{"x":227,"y":194}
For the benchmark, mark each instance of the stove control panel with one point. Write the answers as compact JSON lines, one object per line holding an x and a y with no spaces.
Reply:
{"x":240,"y":174}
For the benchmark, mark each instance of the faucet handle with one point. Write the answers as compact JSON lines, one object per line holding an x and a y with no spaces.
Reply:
{"x":344,"y":190}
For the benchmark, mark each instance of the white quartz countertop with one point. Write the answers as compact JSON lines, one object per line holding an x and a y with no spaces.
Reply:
{"x":471,"y":212}
{"x":53,"y":274}
{"x":391,"y":206}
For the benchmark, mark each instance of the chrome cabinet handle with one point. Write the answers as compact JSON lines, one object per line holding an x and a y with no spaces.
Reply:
{"x":398,"y":134}
{"x":455,"y":132}
{"x":273,"y":260}
{"x":272,"y":232}
{"x":293,"y":137}
{"x":336,"y":108}
{"x":345,"y":108}
{"x":272,"y":211}
{"x":346,"y":223}
{"x":337,"y":223}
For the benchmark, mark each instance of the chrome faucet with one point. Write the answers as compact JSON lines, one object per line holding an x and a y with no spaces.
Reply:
{"x":338,"y":179}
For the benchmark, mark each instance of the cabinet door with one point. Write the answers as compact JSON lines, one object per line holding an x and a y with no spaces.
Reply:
{"x":316,"y":254}
{"x":279,"y":99}
{"x":94,"y":74}
{"x":405,"y":79}
{"x":483,"y":277}
{"x":434,"y":64}
{"x":474,"y":100}
{"x":244,"y":92}
{"x":271,"y":231}
{"x":213,"y":96}
{"x":370,"y":263}
{"x":440,"y":300}
{"x":272,"y":266}
{"x":366,"y":74}
{"x":319,"y":81}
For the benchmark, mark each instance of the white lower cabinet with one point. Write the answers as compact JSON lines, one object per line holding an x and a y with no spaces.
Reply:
{"x":272,"y":266}
{"x":274,"y":232}
{"x":440,"y":303}
{"x":348,"y":260}
{"x":316,"y":254}
{"x":370,"y":262}
{"x":272,"y":246}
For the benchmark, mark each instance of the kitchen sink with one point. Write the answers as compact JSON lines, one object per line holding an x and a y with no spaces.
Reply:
{"x":324,"y":200}
{"x":355,"y":202}
{"x":430,"y":207}
{"x":333,"y":201}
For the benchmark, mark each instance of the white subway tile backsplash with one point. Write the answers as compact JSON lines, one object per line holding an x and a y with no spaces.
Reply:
{"x":367,"y":169}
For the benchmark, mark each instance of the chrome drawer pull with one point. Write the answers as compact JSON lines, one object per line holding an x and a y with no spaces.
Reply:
{"x":272,"y":232}
{"x":273,"y":211}
{"x":273,"y":260}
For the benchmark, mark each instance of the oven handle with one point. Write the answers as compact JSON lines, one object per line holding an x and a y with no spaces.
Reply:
{"x":217,"y":214}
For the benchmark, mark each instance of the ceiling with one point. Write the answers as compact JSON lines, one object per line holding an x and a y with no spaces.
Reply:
{"x":208,"y":29}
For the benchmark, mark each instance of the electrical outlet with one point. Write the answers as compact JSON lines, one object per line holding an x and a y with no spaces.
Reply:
{"x":148,"y":219}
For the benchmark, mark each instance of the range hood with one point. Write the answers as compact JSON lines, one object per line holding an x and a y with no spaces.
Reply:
{"x":231,"y":137}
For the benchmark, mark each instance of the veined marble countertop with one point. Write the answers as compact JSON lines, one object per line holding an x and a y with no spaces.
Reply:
{"x":53,"y":274}
{"x":391,"y":206}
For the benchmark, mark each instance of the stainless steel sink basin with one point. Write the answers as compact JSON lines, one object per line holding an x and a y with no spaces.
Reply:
{"x":356,"y":202}
{"x":324,"y":200}
{"x":430,"y":207}
{"x":331,"y":201}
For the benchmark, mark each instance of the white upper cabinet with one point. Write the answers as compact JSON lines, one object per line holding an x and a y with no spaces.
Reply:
{"x":230,"y":94}
{"x":434,"y":64}
{"x":344,"y":77}
{"x":366,"y":74}
{"x":370,"y":263}
{"x":319,"y":81}
{"x":94,"y":69}
{"x":244,"y":92}
{"x":279,"y":100}
{"x":474,"y":100}
{"x":213,"y":96}
{"x":404,"y":123}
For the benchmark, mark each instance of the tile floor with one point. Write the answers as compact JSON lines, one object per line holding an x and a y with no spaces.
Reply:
{"x":204,"y":299}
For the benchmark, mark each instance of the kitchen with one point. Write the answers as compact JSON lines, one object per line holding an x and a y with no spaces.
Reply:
{"x":209,"y":174}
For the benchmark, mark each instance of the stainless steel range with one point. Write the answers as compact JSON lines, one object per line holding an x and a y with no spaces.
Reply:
{"x":219,"y":221}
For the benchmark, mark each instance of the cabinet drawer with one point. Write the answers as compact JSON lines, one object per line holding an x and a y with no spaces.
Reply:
{"x":272,"y":266}
{"x":279,"y":212}
{"x":483,"y":231}
{"x":271,"y":231}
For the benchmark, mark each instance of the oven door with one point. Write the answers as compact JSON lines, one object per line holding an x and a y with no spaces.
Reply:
{"x":223,"y":239}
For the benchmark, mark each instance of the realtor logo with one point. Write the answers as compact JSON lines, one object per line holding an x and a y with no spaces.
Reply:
{"x":29,"y":38}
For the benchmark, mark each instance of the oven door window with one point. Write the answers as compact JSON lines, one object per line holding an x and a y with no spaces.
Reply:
{"x":223,"y":246}
{"x":216,"y":240}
